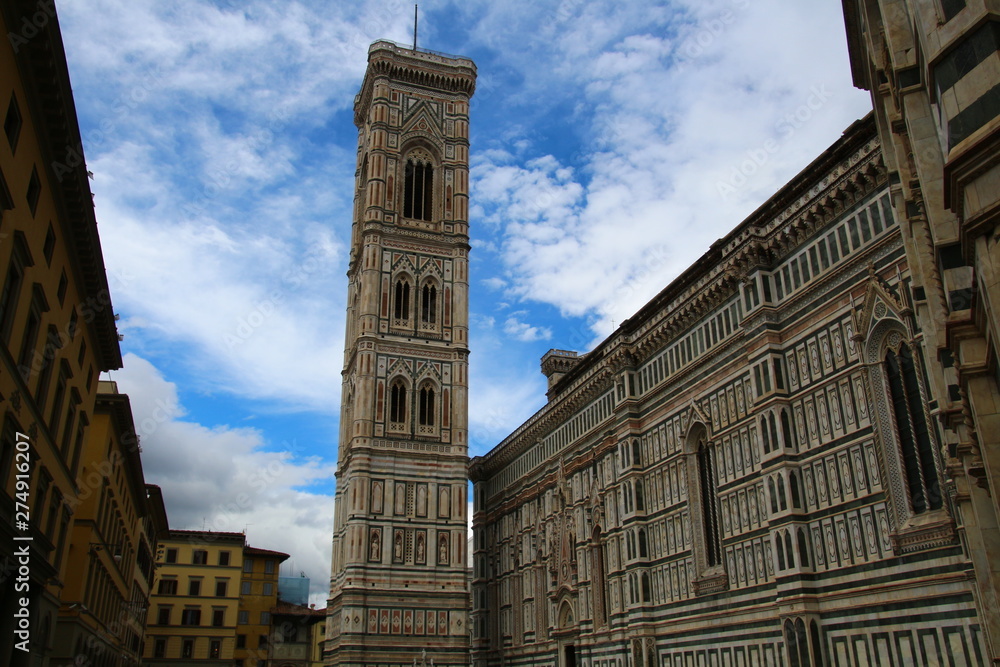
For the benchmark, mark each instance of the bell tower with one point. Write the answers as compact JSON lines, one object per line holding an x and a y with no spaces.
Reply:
{"x":398,"y":587}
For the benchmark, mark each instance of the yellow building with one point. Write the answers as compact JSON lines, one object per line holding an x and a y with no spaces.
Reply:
{"x":192,"y":618}
{"x":258,"y":598}
{"x":57,"y":329}
{"x":115,"y":524}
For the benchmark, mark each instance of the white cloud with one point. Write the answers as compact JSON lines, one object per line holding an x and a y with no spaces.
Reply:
{"x":675,"y":101}
{"x":524,"y":332}
{"x":226,"y":478}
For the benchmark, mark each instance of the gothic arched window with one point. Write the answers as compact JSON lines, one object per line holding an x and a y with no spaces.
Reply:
{"x":426,"y":407}
{"x":417,"y":189}
{"x":397,"y":402}
{"x":428,"y":303}
{"x":707,"y":466}
{"x":912,"y":429}
{"x":401,"y":304}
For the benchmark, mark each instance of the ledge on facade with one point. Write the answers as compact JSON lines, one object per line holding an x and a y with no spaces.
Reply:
{"x":925,"y":531}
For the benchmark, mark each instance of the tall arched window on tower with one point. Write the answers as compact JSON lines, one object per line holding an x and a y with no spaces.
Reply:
{"x":709,"y":508}
{"x":425,"y":414}
{"x":397,"y":404}
{"x":428,"y":303}
{"x":911,"y":425}
{"x":401,"y":304}
{"x":417,"y":188}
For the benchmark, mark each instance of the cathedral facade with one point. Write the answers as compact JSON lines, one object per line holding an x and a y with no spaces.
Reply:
{"x":747,"y":471}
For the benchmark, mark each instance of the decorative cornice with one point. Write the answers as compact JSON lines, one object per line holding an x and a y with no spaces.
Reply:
{"x":844,"y":174}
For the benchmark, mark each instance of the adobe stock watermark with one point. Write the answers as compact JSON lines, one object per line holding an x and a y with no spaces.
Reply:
{"x":124,"y":105}
{"x":706,"y":33}
{"x":32,"y":24}
{"x":786,"y":126}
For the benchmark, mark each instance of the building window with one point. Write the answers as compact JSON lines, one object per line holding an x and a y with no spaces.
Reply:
{"x":191,"y":617}
{"x":268,"y":588}
{"x":262,"y":641}
{"x":243,"y":617}
{"x":241,"y":641}
{"x":12,"y":286}
{"x":428,"y":303}
{"x":163,"y":616}
{"x":199,"y":557}
{"x":218,"y":618}
{"x":223,"y":558}
{"x":159,"y":648}
{"x":912,"y":430}
{"x":397,"y":403}
{"x":34,"y":191}
{"x":796,"y":643}
{"x":61,"y":290}
{"x":220,"y":589}
{"x":10,"y":430}
{"x":269,"y":567}
{"x":194,"y":587}
{"x":710,"y":516}
{"x":950,"y":7}
{"x":50,"y":245}
{"x":401,"y":300}
{"x":187,"y":649}
{"x":245,"y":588}
{"x":265,"y":618}
{"x":171,"y":556}
{"x":12,"y":123}
{"x":248,"y":565}
{"x":214,"y":648}
{"x":167,"y":587}
{"x":426,"y":413}
{"x":417,"y":189}
{"x":26,"y":359}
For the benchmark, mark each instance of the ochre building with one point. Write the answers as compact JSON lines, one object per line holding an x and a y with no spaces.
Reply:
{"x":750,"y":470}
{"x":57,"y":334}
{"x":117,"y":519}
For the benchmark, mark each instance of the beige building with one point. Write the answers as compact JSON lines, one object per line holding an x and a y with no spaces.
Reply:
{"x":258,"y":598}
{"x":193,"y":610}
{"x":933,"y":68}
{"x":748,"y":471}
{"x":57,"y":331}
{"x":398,"y":589}
{"x":214,"y":602}
{"x":116,"y":521}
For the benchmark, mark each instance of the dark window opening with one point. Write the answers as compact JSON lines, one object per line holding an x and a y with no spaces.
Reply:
{"x":428,"y":304}
{"x":12,"y":123}
{"x":397,"y":403}
{"x":34,"y":190}
{"x":417,"y":190}
{"x":911,"y":427}
{"x":402,"y":302}
{"x":426,"y":407}
{"x":710,"y":515}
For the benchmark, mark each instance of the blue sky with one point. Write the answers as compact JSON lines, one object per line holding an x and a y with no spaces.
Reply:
{"x":612,"y":142}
